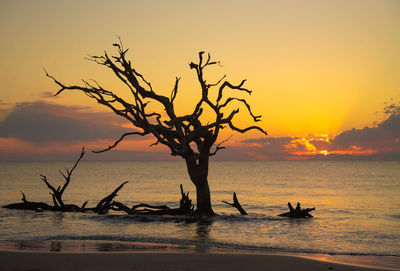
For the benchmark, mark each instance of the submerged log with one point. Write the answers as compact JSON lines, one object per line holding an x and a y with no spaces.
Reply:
{"x":236,"y":204}
{"x":185,"y":207}
{"x":297,"y":212}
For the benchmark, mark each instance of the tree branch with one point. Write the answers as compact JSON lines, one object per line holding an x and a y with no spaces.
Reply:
{"x":227,"y":84}
{"x":119,"y":140}
{"x":219,"y":147}
{"x":176,"y":132}
{"x":246,"y":129}
{"x":69,"y":172}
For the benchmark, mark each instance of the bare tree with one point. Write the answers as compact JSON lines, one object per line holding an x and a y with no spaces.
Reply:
{"x":186,"y":135}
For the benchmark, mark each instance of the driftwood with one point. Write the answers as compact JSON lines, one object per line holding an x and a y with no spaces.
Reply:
{"x":29,"y":205}
{"x":107,"y":203}
{"x":236,"y":204}
{"x":185,"y":207}
{"x":58,"y":204}
{"x":104,"y":205}
{"x":298,"y":212}
{"x":57,"y":193}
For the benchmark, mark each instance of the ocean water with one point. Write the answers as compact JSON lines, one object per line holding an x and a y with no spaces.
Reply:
{"x":357,"y":205}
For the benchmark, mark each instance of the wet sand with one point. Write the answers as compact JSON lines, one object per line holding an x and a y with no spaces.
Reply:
{"x":51,"y":261}
{"x":110,"y":255}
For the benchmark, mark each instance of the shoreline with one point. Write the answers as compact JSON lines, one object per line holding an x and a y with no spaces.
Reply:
{"x":155,"y":256}
{"x":50,"y":261}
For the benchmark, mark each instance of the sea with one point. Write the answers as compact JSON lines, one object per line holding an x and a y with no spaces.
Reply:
{"x":357,"y":207}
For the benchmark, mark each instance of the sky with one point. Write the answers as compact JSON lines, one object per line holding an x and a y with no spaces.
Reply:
{"x":324,"y":74}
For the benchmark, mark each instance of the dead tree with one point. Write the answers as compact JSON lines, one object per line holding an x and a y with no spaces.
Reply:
{"x":185,"y":136}
{"x":298,"y":212}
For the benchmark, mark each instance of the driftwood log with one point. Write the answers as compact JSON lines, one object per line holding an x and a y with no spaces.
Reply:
{"x":185,"y":207}
{"x":29,"y":205}
{"x":298,"y":212}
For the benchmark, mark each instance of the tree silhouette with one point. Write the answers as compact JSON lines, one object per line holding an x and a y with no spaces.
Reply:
{"x":186,"y":135}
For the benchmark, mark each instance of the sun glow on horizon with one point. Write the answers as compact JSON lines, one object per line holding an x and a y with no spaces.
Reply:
{"x":315,"y":68}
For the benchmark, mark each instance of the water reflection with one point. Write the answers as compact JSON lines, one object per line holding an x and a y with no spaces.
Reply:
{"x":299,"y":221}
{"x":22,"y":245}
{"x":203,"y":228}
{"x":55,"y":246}
{"x":57,"y":218}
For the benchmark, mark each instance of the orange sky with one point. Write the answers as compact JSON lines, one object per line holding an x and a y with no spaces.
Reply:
{"x":316,"y":67}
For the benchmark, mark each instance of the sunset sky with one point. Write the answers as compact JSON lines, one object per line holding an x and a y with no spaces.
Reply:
{"x":323,"y":74}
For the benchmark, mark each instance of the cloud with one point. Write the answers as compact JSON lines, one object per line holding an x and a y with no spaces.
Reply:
{"x":3,"y":106}
{"x":384,"y":137}
{"x":41,"y":122}
{"x":381,"y":142}
{"x":47,"y":94}
{"x":266,"y":148}
{"x":45,"y":131}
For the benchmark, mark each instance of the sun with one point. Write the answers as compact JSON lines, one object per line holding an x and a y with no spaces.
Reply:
{"x":324,"y":152}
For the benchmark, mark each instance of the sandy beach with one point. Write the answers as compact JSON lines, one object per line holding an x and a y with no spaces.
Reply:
{"x":47,"y":261}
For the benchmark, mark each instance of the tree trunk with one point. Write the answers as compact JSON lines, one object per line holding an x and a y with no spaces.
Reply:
{"x":204,"y":199}
{"x":198,"y":175}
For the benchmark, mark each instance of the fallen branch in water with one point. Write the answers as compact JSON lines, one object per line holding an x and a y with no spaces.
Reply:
{"x":298,"y":212}
{"x":185,"y":207}
{"x":236,"y":204}
{"x":104,"y":205}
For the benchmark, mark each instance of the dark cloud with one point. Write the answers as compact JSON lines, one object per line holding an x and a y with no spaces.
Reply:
{"x":270,"y":140}
{"x":320,"y":144}
{"x":265,"y":148}
{"x":41,"y":122}
{"x":47,"y":94}
{"x":385,"y":136}
{"x":71,"y":155}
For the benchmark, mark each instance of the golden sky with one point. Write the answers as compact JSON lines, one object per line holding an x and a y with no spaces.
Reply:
{"x":316,"y":67}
